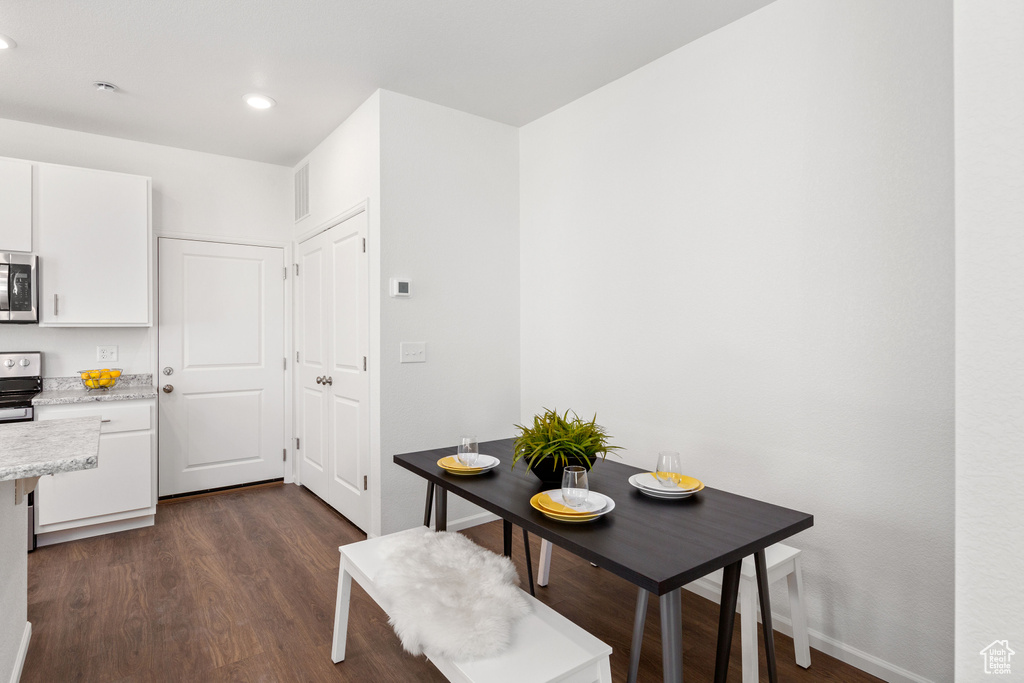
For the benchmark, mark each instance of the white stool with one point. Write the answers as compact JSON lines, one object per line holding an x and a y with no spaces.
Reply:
{"x":546,"y":647}
{"x":781,"y":561}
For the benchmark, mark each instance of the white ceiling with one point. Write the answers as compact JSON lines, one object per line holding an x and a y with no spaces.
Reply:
{"x":183,"y":65}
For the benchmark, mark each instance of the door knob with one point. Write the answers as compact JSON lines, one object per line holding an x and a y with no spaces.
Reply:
{"x":319,"y":380}
{"x":168,"y":388}
{"x":329,"y":380}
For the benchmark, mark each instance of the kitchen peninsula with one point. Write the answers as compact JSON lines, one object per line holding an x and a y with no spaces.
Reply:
{"x":29,"y":450}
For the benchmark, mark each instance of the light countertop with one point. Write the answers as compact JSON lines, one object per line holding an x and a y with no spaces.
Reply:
{"x":81,"y":395}
{"x":32,"y":449}
{"x":65,"y":390}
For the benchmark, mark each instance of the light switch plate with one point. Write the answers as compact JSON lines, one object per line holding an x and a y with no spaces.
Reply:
{"x":414,"y":352}
{"x":106,"y":354}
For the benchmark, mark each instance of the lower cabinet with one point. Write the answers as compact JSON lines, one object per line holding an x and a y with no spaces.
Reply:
{"x":120,"y":493}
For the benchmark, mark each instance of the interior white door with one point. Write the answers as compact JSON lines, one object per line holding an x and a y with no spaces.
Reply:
{"x":222,"y":338}
{"x":334,"y":388}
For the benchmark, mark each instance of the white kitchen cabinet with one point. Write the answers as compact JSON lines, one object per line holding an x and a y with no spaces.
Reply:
{"x":120,"y":493}
{"x":94,"y":244}
{"x":15,"y":205}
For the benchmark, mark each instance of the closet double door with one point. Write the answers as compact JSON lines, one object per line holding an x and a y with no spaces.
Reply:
{"x":332,"y":402}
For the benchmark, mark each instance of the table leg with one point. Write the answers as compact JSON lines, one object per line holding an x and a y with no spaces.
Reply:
{"x":529,"y":563}
{"x":430,"y":503}
{"x":672,"y":636}
{"x":441,"y":509}
{"x":638,"y":634}
{"x":506,"y":530}
{"x":761,"y":569}
{"x":726,"y":618}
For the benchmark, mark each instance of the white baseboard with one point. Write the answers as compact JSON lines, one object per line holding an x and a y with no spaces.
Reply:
{"x":471,"y":521}
{"x":81,"y":532}
{"x":819,"y":641}
{"x":19,"y":663}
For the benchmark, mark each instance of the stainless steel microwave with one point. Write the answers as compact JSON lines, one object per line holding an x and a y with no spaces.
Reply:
{"x":19,"y":288}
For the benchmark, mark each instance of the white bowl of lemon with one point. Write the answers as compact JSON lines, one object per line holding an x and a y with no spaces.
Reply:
{"x":100,"y":379}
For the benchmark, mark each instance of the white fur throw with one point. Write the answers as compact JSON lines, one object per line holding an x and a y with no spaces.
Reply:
{"x":447,"y":596}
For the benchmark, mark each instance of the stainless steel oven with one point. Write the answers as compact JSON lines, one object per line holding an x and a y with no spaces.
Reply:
{"x":19,"y":290}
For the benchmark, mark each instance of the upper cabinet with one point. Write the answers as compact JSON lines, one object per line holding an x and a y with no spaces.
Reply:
{"x":94,"y":244}
{"x":15,"y":205}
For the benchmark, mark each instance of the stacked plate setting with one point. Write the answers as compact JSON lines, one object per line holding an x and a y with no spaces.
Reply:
{"x":451,"y":465}
{"x":649,"y":485}
{"x":553,"y":506}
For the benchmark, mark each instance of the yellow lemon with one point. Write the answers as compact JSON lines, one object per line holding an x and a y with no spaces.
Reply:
{"x":95,"y":374}
{"x":85,"y":375}
{"x":115,"y":373}
{"x":92,"y":383}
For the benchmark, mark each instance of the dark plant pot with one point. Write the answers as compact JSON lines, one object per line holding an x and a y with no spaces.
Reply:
{"x":551,"y":475}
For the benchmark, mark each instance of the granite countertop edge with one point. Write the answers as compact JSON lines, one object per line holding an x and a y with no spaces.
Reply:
{"x":69,"y":390}
{"x":74,"y":464}
{"x":51,"y":447}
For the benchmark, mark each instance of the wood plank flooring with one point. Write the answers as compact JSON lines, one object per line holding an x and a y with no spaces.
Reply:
{"x":241,"y":586}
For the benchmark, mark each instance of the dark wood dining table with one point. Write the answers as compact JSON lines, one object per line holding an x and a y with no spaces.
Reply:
{"x":657,"y":545}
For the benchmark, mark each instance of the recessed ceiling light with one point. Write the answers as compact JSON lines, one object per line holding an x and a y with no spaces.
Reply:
{"x":103,"y":86}
{"x":6,"y":42}
{"x":257,"y":101}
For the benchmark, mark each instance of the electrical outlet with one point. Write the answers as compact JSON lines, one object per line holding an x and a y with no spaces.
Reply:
{"x":106,"y":354}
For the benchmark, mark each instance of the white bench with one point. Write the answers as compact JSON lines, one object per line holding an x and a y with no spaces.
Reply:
{"x":546,"y":647}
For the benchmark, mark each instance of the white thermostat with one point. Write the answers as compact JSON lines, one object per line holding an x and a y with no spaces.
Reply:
{"x":401,"y":288}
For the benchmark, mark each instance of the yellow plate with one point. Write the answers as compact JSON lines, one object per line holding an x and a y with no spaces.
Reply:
{"x":682,"y":481}
{"x":548,"y":504}
{"x":575,"y":517}
{"x":452,"y":465}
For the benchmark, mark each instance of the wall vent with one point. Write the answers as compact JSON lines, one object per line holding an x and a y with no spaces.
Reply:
{"x":302,"y":193}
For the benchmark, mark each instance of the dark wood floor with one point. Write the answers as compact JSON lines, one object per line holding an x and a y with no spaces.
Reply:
{"x":240,"y":586}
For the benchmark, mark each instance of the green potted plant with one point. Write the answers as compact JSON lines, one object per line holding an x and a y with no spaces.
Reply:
{"x":555,"y":441}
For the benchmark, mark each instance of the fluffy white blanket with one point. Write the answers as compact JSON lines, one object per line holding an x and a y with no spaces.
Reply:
{"x":447,"y":596}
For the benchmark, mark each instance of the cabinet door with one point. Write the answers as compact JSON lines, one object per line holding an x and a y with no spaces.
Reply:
{"x":15,"y":205}
{"x":122,"y":482}
{"x":93,"y":236}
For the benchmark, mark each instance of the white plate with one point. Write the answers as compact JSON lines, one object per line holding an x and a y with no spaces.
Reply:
{"x":650,"y":481}
{"x":595,"y":502}
{"x":664,"y":493}
{"x":483,"y":463}
{"x":608,"y":506}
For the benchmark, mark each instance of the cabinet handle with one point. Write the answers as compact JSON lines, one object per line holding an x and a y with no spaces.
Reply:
{"x":54,"y":304}
{"x":104,"y":420}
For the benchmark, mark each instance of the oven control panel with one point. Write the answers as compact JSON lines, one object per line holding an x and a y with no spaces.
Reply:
{"x":21,"y":365}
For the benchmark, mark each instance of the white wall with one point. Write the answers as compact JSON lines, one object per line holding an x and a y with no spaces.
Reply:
{"x":989,"y":48}
{"x":344,"y":172}
{"x":193,"y":193}
{"x":744,"y":251}
{"x":13,"y":578}
{"x":449,"y":222}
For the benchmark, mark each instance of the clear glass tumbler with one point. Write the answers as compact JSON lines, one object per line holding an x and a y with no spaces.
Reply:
{"x":575,"y":486}
{"x":469,"y":451}
{"x":669,"y":464}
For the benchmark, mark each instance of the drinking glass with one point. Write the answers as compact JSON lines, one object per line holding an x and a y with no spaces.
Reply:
{"x":668,"y":464}
{"x":469,"y":451}
{"x":575,"y":487}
